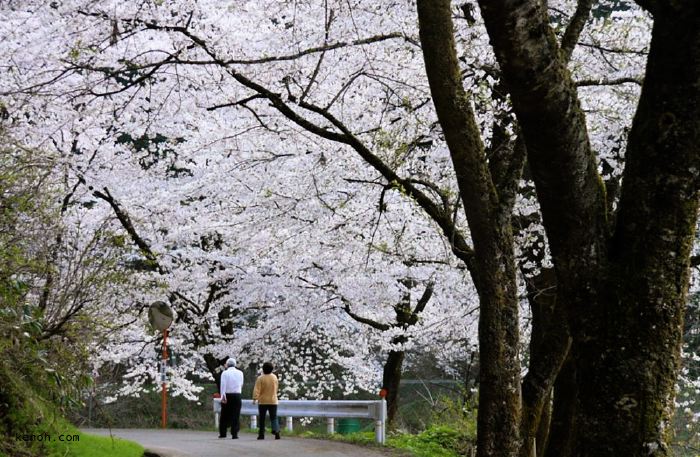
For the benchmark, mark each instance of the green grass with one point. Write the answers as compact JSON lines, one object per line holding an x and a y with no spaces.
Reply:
{"x":93,"y":446}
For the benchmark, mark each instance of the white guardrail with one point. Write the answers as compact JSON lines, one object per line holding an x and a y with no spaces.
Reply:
{"x":330,"y":409}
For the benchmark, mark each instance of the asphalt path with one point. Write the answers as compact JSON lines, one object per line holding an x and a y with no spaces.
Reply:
{"x":188,"y":443}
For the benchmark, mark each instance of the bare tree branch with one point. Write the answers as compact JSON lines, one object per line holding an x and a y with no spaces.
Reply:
{"x":424,"y":299}
{"x":236,"y":103}
{"x":125,"y":220}
{"x":363,"y":320}
{"x":608,"y":82}
{"x":575,"y":27}
{"x":262,"y":60}
{"x":613,"y":50}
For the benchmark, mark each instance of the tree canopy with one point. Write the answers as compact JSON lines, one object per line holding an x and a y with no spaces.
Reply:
{"x":291,"y":171}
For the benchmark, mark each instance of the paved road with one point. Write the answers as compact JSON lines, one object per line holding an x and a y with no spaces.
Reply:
{"x":188,"y":443}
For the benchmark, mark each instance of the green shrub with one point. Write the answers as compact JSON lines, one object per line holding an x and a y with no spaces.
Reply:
{"x":436,"y":441}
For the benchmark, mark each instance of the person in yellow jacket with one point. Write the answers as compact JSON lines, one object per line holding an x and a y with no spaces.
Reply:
{"x":265,"y":394}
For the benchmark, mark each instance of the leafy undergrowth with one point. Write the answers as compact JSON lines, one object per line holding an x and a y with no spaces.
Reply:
{"x":436,"y":441}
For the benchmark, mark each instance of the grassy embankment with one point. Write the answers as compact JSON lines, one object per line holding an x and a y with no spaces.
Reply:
{"x":31,"y":426}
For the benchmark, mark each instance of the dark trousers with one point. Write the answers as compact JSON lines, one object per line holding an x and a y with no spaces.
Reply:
{"x":274,"y":425}
{"x":230,"y":415}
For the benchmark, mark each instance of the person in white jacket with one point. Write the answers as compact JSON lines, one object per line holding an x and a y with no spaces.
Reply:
{"x":230,"y":390}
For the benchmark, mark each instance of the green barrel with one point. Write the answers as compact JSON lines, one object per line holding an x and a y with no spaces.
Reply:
{"x":347,"y":426}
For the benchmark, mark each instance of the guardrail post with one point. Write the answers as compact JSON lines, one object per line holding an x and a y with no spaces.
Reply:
{"x":330,"y":425}
{"x":380,"y":424}
{"x":216,"y":403}
{"x":290,"y":424}
{"x":254,"y":421}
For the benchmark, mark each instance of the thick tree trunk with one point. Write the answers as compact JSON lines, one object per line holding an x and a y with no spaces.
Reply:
{"x":215,"y":367}
{"x":627,"y":336}
{"x":625,"y":297}
{"x":391,"y":380}
{"x":549,"y":346}
{"x":628,"y":353}
{"x":542,"y":437}
{"x":489,"y":222}
{"x":563,"y":167}
{"x":562,"y":426}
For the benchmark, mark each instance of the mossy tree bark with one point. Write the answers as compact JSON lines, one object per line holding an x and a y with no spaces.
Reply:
{"x":628,"y":350}
{"x":624,"y":293}
{"x":562,"y":425}
{"x":621,"y":281}
{"x":549,"y":347}
{"x":488,"y":208}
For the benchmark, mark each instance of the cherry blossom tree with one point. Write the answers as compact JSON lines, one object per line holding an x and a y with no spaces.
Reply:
{"x":219,"y":279}
{"x":257,"y":146}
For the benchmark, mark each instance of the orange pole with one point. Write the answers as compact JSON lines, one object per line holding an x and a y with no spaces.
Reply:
{"x":164,"y":403}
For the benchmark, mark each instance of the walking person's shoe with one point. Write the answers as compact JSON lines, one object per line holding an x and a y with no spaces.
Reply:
{"x":234,"y":437}
{"x":277,"y":435}
{"x":261,"y":437}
